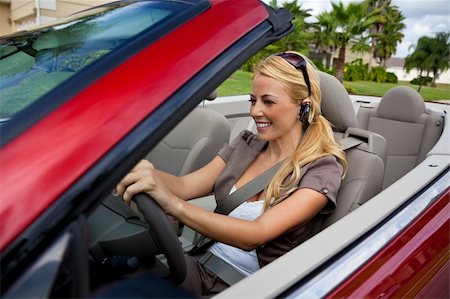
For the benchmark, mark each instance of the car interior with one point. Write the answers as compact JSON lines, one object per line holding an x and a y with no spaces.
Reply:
{"x":127,"y":241}
{"x":375,"y":157}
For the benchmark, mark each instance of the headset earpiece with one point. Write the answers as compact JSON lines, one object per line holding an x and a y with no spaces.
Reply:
{"x":304,"y":113}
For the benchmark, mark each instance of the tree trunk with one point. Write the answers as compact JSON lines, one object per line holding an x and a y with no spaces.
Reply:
{"x":435,"y":76}
{"x":371,"y":58}
{"x":384,"y":62}
{"x":328,"y":60}
{"x":340,"y":64}
{"x":420,"y":81}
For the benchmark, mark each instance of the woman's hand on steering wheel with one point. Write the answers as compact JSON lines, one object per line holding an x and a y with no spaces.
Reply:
{"x":143,"y":179}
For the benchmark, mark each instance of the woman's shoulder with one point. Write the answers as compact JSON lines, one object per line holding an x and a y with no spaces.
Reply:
{"x":324,"y":175}
{"x":327,"y":159}
{"x":325,"y":163}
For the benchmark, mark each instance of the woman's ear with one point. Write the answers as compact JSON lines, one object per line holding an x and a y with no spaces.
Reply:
{"x":306,"y":101}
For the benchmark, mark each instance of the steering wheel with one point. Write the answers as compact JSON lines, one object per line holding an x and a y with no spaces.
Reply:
{"x":163,"y":235}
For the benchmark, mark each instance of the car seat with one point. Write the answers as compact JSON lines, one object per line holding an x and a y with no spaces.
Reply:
{"x":409,"y":129}
{"x":193,"y":143}
{"x":366,"y":158}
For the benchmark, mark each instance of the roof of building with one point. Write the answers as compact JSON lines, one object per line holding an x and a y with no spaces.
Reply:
{"x":395,"y":62}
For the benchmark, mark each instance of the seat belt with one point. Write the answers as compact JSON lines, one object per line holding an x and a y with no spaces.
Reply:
{"x":250,"y":189}
{"x":350,"y":142}
{"x":216,"y":265}
{"x":232,"y":201}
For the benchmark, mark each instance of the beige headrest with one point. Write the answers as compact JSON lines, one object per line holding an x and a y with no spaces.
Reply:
{"x":336,"y":104}
{"x":401,"y":103}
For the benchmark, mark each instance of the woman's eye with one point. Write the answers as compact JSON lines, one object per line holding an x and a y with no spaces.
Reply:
{"x":252,"y":101}
{"x":268,"y":102}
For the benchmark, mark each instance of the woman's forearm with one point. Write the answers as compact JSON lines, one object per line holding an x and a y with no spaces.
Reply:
{"x":195,"y":184}
{"x":175,"y":184}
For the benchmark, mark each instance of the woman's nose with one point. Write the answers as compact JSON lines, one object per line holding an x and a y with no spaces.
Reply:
{"x":256,"y":110}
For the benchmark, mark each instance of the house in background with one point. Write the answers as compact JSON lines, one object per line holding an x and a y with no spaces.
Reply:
{"x":16,"y":15}
{"x":395,"y":65}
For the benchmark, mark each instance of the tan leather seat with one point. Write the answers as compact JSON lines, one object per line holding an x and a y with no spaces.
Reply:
{"x":410,"y":131}
{"x":366,"y":161}
{"x":192,"y":143}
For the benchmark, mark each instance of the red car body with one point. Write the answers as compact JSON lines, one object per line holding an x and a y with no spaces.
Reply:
{"x":413,"y":265}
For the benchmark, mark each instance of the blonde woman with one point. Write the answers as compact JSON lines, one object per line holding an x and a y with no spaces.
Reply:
{"x":285,"y":105}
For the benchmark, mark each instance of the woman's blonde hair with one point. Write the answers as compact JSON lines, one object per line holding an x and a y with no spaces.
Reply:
{"x":317,"y":141}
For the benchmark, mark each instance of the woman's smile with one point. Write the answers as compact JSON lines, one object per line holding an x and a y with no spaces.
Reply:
{"x":262,"y":126}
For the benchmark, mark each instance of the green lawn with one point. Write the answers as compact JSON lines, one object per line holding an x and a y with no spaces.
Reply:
{"x":240,"y":83}
{"x":379,"y":89}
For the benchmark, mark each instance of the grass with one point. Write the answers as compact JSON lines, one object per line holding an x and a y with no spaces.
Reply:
{"x":442,"y":92}
{"x":240,"y":83}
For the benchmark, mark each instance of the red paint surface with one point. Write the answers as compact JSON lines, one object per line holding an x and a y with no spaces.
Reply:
{"x":413,"y":262}
{"x":43,"y":162}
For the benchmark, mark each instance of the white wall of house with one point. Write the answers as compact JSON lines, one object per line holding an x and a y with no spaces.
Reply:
{"x":18,"y":15}
{"x":403,"y":76}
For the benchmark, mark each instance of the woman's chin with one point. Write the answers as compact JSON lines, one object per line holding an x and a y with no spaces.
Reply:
{"x":264,"y":136}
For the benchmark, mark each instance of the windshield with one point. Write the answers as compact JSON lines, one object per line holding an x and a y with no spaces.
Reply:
{"x":33,"y":63}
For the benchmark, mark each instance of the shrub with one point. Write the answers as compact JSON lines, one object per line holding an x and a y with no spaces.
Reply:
{"x":355,"y":71}
{"x":319,"y":64}
{"x":252,"y":62}
{"x":349,"y":89}
{"x":391,"y":78}
{"x":321,"y":67}
{"x":378,"y":74}
{"x":425,"y":80}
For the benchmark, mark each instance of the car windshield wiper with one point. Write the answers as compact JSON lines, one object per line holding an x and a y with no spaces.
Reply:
{"x":23,"y":45}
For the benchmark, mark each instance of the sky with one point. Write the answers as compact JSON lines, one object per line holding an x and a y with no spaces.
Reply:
{"x":422,"y":17}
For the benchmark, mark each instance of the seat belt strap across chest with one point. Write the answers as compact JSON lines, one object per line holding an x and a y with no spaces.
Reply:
{"x":250,"y":189}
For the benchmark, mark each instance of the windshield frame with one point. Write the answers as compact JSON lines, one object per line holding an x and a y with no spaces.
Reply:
{"x":65,"y":91}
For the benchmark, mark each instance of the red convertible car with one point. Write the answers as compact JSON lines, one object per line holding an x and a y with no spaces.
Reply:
{"x":84,"y":99}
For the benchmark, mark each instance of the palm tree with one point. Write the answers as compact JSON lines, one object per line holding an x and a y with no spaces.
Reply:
{"x":385,"y":33}
{"x":439,"y":59}
{"x":390,"y":36}
{"x":431,"y":55}
{"x":274,"y":3}
{"x":418,"y":59}
{"x":325,"y":36}
{"x":377,"y":27}
{"x":299,"y":39}
{"x":352,"y":23}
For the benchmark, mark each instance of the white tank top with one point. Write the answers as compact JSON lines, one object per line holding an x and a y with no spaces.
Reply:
{"x":246,"y":262}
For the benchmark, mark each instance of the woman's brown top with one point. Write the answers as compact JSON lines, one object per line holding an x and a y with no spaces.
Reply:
{"x":322,"y":175}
